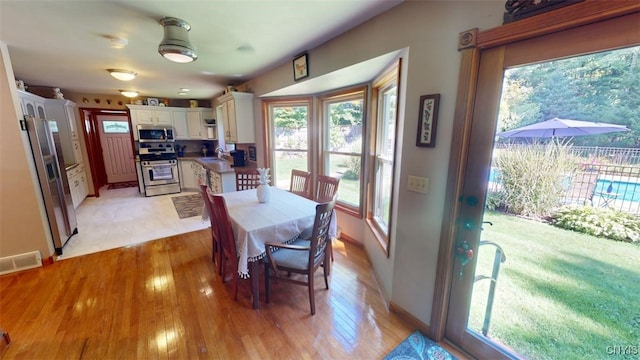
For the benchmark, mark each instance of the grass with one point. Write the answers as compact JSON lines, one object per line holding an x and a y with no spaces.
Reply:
{"x":348,"y":190}
{"x":560,"y":294}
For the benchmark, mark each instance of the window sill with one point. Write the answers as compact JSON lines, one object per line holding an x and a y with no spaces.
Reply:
{"x":382,"y":238}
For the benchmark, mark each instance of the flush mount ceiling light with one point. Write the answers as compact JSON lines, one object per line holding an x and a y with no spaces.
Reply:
{"x":124,"y":75}
{"x":129,"y":93}
{"x":175,"y":45}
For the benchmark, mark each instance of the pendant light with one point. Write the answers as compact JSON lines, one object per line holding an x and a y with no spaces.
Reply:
{"x":175,"y":45}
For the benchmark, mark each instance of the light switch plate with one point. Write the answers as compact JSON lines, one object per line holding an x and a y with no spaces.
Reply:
{"x":418,"y":184}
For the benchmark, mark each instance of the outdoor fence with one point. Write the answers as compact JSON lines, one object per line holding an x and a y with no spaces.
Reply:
{"x":600,"y":185}
{"x":595,"y":154}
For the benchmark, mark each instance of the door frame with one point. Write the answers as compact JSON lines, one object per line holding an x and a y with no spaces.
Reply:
{"x":90,"y":125}
{"x":472,"y":44}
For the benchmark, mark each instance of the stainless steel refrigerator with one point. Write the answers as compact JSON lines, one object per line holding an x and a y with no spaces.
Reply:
{"x":47,"y":154}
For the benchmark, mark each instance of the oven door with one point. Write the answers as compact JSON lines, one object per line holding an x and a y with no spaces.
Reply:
{"x":160,"y":172}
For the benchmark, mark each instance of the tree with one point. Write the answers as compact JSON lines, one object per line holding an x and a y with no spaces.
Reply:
{"x":602,"y":87}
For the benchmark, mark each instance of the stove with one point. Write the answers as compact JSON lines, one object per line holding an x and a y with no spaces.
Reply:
{"x":159,"y":166}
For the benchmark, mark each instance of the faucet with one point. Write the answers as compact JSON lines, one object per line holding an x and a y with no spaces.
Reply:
{"x":220,"y":152}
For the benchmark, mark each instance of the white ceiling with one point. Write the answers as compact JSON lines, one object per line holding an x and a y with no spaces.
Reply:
{"x":66,"y":43}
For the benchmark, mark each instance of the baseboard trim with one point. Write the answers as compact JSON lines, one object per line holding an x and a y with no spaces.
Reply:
{"x":408,"y":318}
{"x":350,"y":240}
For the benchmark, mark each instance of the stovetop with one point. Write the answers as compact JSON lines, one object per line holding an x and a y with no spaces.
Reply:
{"x":161,"y":151}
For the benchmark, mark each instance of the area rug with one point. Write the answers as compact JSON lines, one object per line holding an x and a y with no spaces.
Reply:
{"x":188,"y":205}
{"x":122,"y":185}
{"x":418,"y":346}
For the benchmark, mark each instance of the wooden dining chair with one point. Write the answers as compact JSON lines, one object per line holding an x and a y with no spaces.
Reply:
{"x":327,"y":188}
{"x":303,"y":260}
{"x":215,"y":239}
{"x":300,"y":183}
{"x":229,"y":255}
{"x":247,"y":179}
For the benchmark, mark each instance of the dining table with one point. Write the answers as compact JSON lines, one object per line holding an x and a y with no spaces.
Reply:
{"x":282,"y":219}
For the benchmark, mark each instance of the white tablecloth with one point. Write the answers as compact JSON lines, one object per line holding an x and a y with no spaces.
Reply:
{"x":254,"y":223}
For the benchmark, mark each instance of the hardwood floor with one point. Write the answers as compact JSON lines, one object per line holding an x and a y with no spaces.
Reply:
{"x":162,"y":299}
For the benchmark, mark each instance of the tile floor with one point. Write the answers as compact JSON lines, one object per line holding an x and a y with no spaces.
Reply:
{"x":124,"y":217}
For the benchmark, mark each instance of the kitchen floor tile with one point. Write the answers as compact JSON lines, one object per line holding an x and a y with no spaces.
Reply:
{"x":124,"y":217}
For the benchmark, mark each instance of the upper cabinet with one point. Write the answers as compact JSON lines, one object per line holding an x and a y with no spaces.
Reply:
{"x":64,"y":113}
{"x":32,"y":104}
{"x":180,"y":124}
{"x":188,"y":122}
{"x":236,"y":114}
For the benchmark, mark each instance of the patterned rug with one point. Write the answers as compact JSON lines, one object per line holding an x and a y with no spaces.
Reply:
{"x":188,"y":205}
{"x":418,"y":346}
{"x":122,"y":185}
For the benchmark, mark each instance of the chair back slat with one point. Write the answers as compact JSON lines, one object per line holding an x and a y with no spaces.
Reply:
{"x":215,"y":237}
{"x":247,"y":179}
{"x":300,"y":183}
{"x":327,"y":188}
{"x":320,"y":236}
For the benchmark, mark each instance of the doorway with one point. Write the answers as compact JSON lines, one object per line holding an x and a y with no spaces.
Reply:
{"x":123,"y":152}
{"x":117,"y":153}
{"x":473,"y":169}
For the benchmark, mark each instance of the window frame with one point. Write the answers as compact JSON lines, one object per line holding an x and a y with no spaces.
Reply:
{"x":268,"y":105}
{"x":359,"y":92}
{"x":388,"y":78}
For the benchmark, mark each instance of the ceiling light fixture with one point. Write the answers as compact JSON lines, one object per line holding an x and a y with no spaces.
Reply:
{"x":129,"y":93}
{"x":124,"y":75}
{"x":185,"y":89}
{"x":175,"y":45}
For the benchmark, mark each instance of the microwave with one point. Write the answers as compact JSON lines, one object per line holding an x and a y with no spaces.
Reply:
{"x":152,"y":133}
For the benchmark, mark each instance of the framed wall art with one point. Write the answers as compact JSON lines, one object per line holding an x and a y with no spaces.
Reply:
{"x":252,"y":153}
{"x":428,"y":120}
{"x":300,"y":67}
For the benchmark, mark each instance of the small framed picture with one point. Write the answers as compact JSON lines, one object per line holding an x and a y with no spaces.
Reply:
{"x":300,"y":67}
{"x":427,"y":120}
{"x":252,"y":153}
{"x":152,"y":101}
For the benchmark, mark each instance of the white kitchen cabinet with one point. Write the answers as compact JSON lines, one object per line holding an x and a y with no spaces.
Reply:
{"x":149,"y":115}
{"x":188,"y":122}
{"x":188,"y":178}
{"x":180,"y":124}
{"x":64,"y":113}
{"x":32,"y":104}
{"x":221,"y":182}
{"x":78,"y":185}
{"x":195,"y":122}
{"x":236,"y":114}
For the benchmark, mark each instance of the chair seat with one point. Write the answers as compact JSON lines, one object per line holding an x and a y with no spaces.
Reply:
{"x":293,"y":259}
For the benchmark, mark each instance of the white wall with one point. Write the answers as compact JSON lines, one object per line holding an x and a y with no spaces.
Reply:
{"x":23,"y":226}
{"x":428,"y":33}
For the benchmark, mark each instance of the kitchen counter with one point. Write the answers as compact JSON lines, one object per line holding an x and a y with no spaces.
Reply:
{"x":214,"y":164}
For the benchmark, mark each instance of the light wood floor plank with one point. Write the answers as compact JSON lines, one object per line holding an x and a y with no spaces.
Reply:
{"x":164,"y":300}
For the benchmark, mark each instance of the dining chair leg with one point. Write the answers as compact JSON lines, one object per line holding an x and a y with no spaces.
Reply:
{"x":312,"y":299}
{"x":331,"y":248}
{"x":326,"y":274}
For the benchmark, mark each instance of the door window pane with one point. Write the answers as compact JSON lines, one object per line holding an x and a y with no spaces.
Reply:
{"x":115,"y":127}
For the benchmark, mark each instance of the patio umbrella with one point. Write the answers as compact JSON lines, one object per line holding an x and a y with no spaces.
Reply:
{"x":562,"y":128}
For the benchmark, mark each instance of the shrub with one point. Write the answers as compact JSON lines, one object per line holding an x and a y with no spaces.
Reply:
{"x":607,"y":223}
{"x":532,"y":177}
{"x":495,"y":200}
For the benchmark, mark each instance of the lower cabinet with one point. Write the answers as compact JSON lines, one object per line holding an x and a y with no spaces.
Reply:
{"x":187,"y":178}
{"x":191,"y":174}
{"x":78,"y":185}
{"x":221,"y":182}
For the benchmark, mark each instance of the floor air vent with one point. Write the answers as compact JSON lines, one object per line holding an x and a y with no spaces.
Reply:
{"x":20,"y":262}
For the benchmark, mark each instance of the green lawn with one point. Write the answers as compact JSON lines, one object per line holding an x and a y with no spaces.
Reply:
{"x":560,"y":294}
